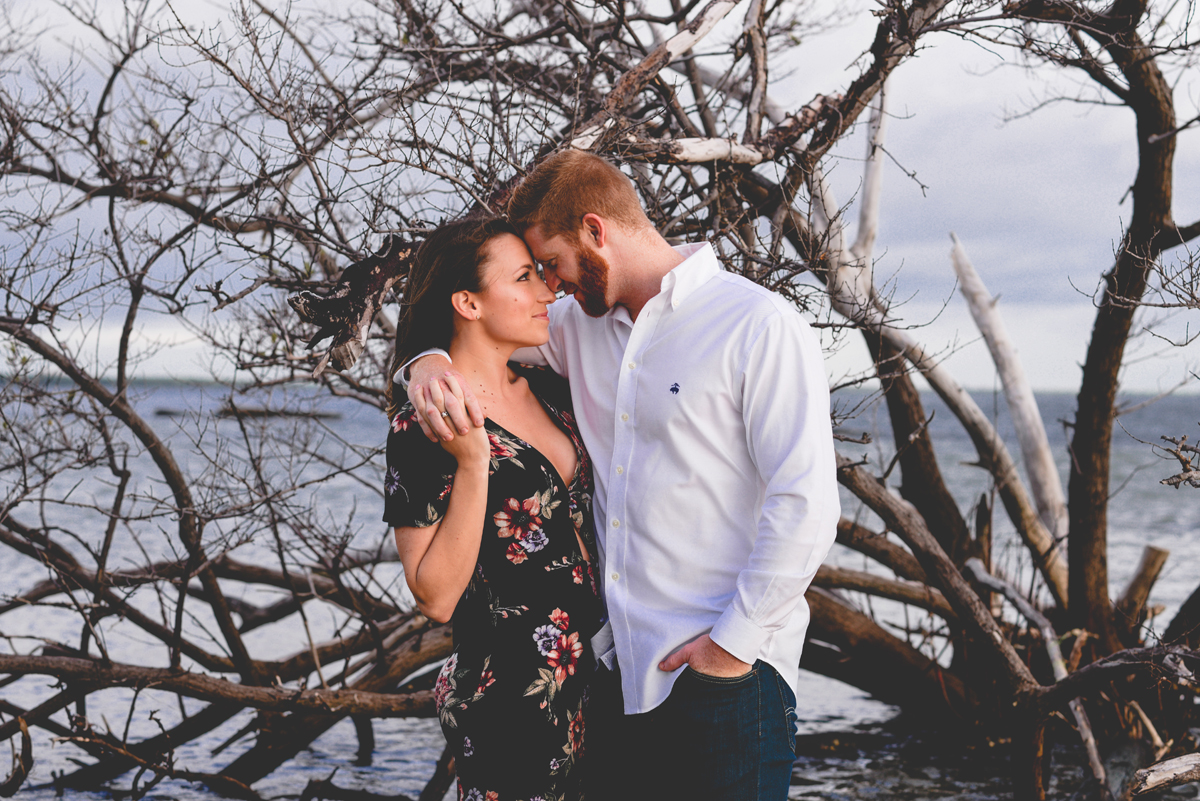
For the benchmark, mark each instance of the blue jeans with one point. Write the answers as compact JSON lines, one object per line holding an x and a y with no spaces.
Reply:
{"x":713,"y":738}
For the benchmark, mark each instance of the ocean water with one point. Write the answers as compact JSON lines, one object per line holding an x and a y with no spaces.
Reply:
{"x":851,"y":746}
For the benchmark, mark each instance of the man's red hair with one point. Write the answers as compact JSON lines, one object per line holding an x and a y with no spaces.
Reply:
{"x":568,"y":185}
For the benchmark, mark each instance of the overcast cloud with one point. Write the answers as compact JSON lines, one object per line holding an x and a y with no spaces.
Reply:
{"x":1035,"y":200}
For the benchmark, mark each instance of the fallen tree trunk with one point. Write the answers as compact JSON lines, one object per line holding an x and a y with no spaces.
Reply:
{"x":881,"y":549}
{"x":847,"y":645}
{"x":95,"y":675}
{"x":907,"y":592}
{"x":1165,"y":775}
{"x":285,"y":737}
{"x":901,"y":518}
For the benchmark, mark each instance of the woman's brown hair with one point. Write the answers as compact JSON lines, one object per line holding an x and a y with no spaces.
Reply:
{"x":450,"y":260}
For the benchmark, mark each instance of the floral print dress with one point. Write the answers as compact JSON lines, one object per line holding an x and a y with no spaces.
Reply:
{"x":512,"y":698}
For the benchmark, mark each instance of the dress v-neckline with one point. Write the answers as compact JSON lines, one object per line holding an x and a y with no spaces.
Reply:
{"x":553,"y":415}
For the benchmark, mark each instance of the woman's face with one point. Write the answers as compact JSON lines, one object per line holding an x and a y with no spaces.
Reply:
{"x":513,"y":303}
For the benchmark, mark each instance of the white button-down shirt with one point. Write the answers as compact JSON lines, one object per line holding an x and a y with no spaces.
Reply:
{"x":707,"y":421}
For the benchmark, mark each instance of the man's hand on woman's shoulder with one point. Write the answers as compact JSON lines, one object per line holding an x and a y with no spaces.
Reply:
{"x":434,"y":387}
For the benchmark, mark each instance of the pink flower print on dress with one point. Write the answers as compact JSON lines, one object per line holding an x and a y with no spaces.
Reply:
{"x":560,"y":618}
{"x":404,"y":420}
{"x":575,"y":728}
{"x":565,"y":657}
{"x":485,"y":680}
{"x":445,"y":683}
{"x":516,"y":554}
{"x":518,"y":518}
{"x":499,"y":449}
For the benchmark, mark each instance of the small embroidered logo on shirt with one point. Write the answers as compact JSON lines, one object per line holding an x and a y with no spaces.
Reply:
{"x":674,"y":389}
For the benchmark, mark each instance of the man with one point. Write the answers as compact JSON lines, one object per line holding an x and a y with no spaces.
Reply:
{"x":703,"y":402}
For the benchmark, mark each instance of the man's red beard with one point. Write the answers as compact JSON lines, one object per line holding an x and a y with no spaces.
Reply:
{"x":593,"y":282}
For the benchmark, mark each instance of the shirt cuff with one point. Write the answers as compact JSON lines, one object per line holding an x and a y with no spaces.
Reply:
{"x":401,"y":376}
{"x":737,"y":635}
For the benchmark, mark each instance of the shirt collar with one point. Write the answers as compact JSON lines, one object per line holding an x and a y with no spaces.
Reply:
{"x":698,"y":266}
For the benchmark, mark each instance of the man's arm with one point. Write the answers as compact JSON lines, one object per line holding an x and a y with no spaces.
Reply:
{"x":434,"y":386}
{"x":785,"y":399}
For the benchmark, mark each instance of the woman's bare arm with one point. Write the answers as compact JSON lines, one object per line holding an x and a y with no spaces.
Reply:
{"x":439,"y":559}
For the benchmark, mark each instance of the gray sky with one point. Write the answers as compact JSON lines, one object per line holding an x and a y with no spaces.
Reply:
{"x":1036,"y":202}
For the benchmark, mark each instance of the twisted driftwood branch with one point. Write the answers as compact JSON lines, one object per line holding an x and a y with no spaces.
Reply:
{"x":1165,"y":775}
{"x":89,"y":672}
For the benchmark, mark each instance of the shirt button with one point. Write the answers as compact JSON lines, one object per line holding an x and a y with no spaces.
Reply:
{"x":674,"y":303}
{"x":632,"y":365}
{"x":616,"y":576}
{"x":620,"y":470}
{"x":616,"y":524}
{"x":624,"y":417}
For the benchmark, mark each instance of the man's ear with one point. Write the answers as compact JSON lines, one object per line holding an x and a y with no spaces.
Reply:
{"x":465,"y":305}
{"x":595,"y":230}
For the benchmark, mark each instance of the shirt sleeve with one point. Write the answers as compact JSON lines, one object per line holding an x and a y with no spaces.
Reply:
{"x":401,"y":376}
{"x":785,"y":405}
{"x":419,"y":477}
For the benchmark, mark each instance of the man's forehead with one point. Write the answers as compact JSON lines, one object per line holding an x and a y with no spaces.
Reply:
{"x":541,"y":247}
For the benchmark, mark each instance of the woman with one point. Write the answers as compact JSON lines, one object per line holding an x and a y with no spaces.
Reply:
{"x":494,"y":527}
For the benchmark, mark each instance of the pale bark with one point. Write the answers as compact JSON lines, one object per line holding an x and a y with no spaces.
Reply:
{"x":703,"y":150}
{"x":1044,"y":481}
{"x":852,"y":294}
{"x":994,"y":456}
{"x":872,"y":191}
{"x":1165,"y":775}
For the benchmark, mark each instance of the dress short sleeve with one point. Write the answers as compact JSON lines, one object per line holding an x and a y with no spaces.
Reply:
{"x":416,"y":486}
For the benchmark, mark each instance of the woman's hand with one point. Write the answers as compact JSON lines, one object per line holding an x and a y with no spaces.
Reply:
{"x":471,"y":450}
{"x":434,"y":385}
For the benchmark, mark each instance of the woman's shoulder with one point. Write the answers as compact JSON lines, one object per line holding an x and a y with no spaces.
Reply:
{"x":545,"y":383}
{"x":405,"y":419}
{"x":405,"y":432}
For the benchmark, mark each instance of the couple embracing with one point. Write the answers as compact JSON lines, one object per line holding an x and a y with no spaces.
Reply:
{"x":619,"y":497}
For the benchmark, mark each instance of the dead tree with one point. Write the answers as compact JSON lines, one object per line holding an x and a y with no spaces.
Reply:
{"x":208,"y":173}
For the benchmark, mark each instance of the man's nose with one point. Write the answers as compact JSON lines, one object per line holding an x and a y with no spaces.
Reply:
{"x":551,"y":278}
